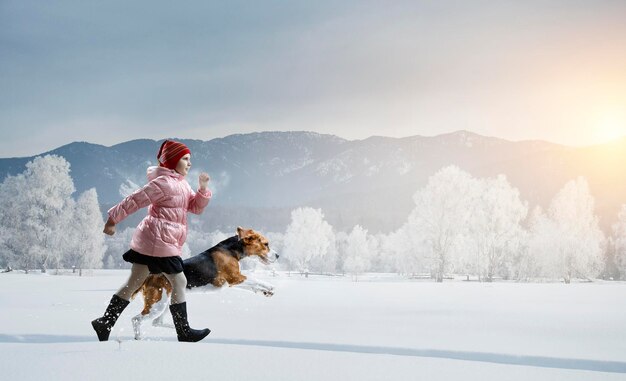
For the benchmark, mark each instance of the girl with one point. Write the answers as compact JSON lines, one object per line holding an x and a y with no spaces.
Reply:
{"x":157,"y":242}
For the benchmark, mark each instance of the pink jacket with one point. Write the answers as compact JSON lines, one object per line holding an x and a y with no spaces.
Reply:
{"x":164,"y":230}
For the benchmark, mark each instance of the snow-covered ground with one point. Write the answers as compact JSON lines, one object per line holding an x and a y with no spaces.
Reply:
{"x":379,"y":328}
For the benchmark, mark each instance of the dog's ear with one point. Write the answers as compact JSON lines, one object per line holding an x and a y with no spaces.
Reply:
{"x":241,"y":232}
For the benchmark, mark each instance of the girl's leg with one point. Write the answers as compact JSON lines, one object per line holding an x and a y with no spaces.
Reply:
{"x":138,"y":274}
{"x":178,"y":308}
{"x":179,"y":284}
{"x":119,"y":301}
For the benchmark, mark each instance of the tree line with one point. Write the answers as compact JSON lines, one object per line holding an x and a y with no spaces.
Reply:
{"x":478,"y":228}
{"x":460,"y":225}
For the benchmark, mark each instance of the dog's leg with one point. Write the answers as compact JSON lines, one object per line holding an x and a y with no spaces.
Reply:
{"x":219,"y":282}
{"x":256,"y":286}
{"x":137,"y":320}
{"x":161,"y":310}
{"x":158,"y":322}
{"x":150,"y":312}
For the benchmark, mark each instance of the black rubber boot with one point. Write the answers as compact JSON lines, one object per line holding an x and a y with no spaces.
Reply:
{"x":183,"y":331}
{"x":103,"y":325}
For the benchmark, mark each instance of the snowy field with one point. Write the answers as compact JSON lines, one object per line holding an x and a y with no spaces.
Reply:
{"x":380,"y":328}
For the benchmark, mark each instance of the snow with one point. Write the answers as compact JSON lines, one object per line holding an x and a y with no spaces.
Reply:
{"x":321,"y":328}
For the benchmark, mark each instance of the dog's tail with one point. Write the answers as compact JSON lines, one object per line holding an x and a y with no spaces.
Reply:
{"x":153,"y":281}
{"x":137,"y":291}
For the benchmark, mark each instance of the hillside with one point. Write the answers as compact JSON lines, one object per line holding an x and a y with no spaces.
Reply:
{"x":258,"y":178}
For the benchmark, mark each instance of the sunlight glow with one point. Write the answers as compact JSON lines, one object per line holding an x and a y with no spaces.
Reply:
{"x":610,"y":126}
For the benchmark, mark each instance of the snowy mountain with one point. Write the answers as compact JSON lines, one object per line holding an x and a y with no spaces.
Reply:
{"x":258,"y":178}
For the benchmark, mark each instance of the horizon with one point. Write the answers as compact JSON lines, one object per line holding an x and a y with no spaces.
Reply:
{"x":319,"y":133}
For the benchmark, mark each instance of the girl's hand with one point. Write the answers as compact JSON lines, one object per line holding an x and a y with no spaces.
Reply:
{"x":203,"y":180}
{"x":109,"y":227}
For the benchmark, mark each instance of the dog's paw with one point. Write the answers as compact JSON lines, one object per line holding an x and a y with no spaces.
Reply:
{"x":265,"y":291}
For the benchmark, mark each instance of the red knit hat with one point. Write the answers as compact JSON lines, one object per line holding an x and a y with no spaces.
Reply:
{"x":170,"y":153}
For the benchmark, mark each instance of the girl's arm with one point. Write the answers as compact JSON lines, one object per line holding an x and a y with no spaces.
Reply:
{"x":199,"y":201}
{"x":149,"y":194}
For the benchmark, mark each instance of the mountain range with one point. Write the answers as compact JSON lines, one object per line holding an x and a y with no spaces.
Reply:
{"x":258,"y":178}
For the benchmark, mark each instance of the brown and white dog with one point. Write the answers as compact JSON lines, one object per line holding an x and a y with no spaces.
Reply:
{"x":209,"y":270}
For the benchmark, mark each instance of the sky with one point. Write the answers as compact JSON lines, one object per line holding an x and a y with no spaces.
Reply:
{"x":108,"y":72}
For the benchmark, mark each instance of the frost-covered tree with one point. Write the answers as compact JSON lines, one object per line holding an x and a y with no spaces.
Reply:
{"x":380,"y":263}
{"x":377,"y":261}
{"x":619,"y":242}
{"x":308,"y":237}
{"x":542,"y":242}
{"x":610,"y":269}
{"x":579,"y":238}
{"x":13,"y":242}
{"x":401,"y":255}
{"x":341,"y":242}
{"x":439,"y":221}
{"x":328,"y":262}
{"x":38,"y":210}
{"x":521,"y":266}
{"x":495,"y":233}
{"x":357,"y":252}
{"x":5,"y":257}
{"x":43,"y":225}
{"x":388,"y":251}
{"x":85,"y":248}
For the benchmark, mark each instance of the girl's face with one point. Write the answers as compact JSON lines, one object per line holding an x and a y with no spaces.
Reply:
{"x":184,"y":164}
